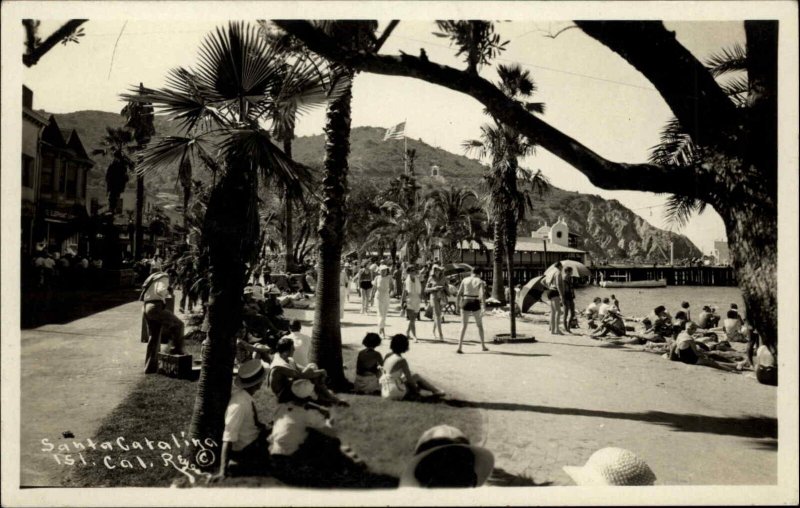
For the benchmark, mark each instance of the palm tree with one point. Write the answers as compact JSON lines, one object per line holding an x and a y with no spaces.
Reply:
{"x":117,"y":142}
{"x":505,"y":146}
{"x":454,"y":215}
{"x":139,"y":118}
{"x":677,"y":148}
{"x":326,"y":338}
{"x":218,"y":107}
{"x":401,"y":225}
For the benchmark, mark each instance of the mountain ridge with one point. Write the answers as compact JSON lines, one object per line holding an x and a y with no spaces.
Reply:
{"x":608,"y":229}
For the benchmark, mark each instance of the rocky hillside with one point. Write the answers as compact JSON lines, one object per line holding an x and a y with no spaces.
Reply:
{"x":608,"y":229}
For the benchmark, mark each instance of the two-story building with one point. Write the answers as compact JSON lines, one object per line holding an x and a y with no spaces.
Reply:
{"x":54,"y":175}
{"x":32,"y":125}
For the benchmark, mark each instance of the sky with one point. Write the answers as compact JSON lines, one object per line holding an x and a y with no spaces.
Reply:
{"x":590,"y":93}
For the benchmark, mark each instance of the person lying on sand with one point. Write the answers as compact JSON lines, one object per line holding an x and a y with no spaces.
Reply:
{"x":687,"y":350}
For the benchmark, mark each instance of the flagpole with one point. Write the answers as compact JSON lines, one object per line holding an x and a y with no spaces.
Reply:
{"x":405,"y":147}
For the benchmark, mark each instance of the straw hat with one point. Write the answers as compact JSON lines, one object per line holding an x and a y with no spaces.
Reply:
{"x":250,"y":374}
{"x":612,"y":466}
{"x":439,"y":438}
{"x":248,"y":290}
{"x":303,"y":389}
{"x":382,"y":268}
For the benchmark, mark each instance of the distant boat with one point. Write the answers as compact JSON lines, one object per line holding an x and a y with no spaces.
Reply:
{"x":660,"y":283}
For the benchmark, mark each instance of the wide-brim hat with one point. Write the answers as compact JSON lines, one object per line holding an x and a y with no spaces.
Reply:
{"x":250,"y":373}
{"x":440,"y":438}
{"x":383,"y":267}
{"x":612,"y":466}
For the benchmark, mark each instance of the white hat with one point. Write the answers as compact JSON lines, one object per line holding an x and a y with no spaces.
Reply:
{"x":272,"y":289}
{"x":250,"y":374}
{"x":248,"y":290}
{"x":612,"y":466}
{"x":303,"y":389}
{"x":382,"y":268}
{"x":439,"y":438}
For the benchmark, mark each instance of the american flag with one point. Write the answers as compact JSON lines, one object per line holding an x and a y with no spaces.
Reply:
{"x":396,"y":132}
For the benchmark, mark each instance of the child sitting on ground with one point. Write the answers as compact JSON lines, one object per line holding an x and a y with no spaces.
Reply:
{"x":368,"y":366}
{"x":304,"y":446}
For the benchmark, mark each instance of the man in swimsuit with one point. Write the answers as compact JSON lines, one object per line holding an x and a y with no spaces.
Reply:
{"x":471,"y":299}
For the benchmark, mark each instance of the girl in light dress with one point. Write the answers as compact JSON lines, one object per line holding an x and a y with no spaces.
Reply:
{"x":397,"y":381}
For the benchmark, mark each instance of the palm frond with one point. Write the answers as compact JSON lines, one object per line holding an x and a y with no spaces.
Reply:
{"x":168,"y":151}
{"x":679,"y":209}
{"x":676,"y":147}
{"x":730,"y":59}
{"x":737,"y":89}
{"x":256,"y":145}
{"x":534,"y":107}
{"x":237,"y":63}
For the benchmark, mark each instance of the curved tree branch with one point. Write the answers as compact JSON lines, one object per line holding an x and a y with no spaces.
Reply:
{"x":600,"y":171}
{"x":34,"y":53}
{"x":697,"y":101}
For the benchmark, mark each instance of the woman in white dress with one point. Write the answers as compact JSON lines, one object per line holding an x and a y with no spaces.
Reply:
{"x":411,"y":298}
{"x":383,"y":292}
{"x":397,"y":381}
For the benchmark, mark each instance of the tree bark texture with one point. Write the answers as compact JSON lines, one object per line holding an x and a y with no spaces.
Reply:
{"x":498,"y":287}
{"x":326,"y":339}
{"x":230,"y":230}
{"x":287,"y":203}
{"x":139,"y":232}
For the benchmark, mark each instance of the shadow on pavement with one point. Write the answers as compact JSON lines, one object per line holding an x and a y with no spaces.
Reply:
{"x":506,"y":353}
{"x":747,"y":426}
{"x":60,"y":306}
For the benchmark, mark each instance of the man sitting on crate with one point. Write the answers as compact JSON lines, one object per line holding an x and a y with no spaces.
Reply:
{"x":162,"y":325}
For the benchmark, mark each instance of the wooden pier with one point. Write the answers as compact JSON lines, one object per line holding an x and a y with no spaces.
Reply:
{"x":674,"y":275}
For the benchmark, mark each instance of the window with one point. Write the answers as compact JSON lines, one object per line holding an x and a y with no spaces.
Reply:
{"x":559,"y":234}
{"x":71,"y":173}
{"x":62,"y":177}
{"x":48,"y":168}
{"x":27,"y":171}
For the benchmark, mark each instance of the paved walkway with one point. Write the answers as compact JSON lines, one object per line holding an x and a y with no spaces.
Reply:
{"x":73,"y":375}
{"x":545,"y":405}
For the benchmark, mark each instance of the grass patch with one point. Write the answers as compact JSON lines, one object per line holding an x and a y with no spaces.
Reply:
{"x":383,"y":433}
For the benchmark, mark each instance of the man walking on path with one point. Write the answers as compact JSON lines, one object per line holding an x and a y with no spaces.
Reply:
{"x":162,"y":325}
{"x":471,"y":299}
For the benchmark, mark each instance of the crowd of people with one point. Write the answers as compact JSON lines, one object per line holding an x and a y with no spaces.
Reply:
{"x":50,"y":270}
{"x":301,"y":442}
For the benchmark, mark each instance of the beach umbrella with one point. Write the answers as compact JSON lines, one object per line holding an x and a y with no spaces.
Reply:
{"x":456,"y":268}
{"x":578,"y":268}
{"x":531,"y":293}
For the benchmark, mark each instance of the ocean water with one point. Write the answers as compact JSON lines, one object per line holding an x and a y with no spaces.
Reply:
{"x":638,"y":302}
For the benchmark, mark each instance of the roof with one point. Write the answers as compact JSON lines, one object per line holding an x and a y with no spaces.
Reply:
{"x":52,"y":134}
{"x":75,"y":145}
{"x":524,"y":244}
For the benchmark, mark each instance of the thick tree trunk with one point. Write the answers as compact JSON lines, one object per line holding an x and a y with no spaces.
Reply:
{"x":139,"y":233}
{"x":752,"y":237}
{"x":512,"y":318}
{"x":289,"y":227}
{"x":230,"y":230}
{"x":326,"y":338}
{"x":498,"y":288}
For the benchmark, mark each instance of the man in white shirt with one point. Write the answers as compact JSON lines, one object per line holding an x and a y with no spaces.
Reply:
{"x":161,"y":323}
{"x":245,"y":437}
{"x":603,"y":310}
